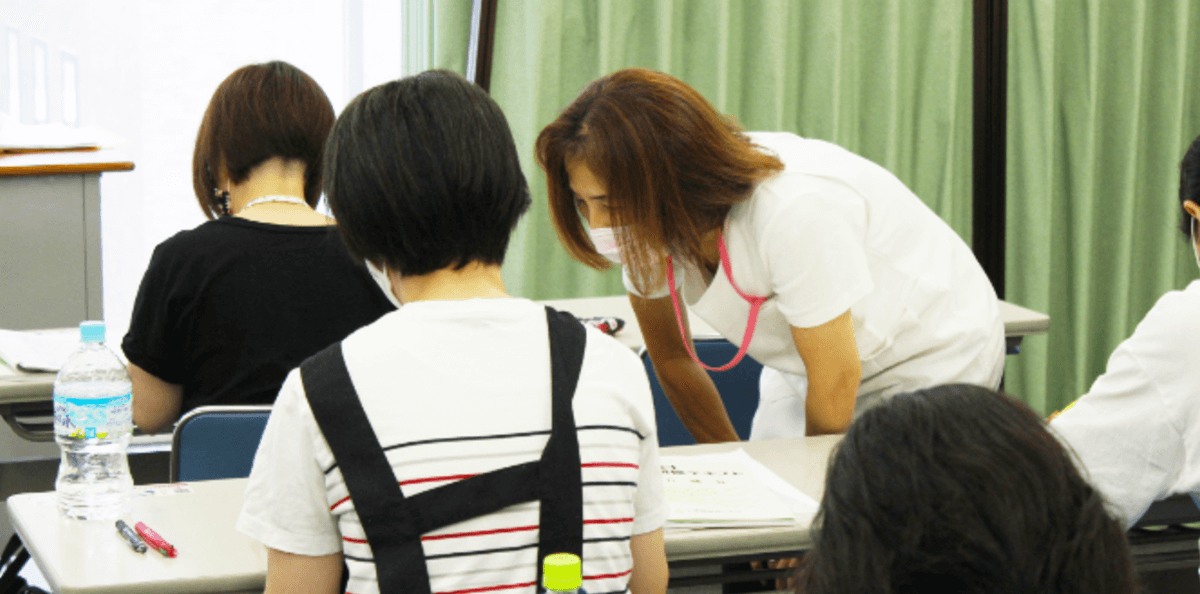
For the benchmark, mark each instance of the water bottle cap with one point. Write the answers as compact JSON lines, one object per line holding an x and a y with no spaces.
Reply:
{"x":562,"y":571}
{"x":91,"y":331}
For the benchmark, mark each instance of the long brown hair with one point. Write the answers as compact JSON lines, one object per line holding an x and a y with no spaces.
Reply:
{"x":673,"y":167}
{"x":261,"y":111}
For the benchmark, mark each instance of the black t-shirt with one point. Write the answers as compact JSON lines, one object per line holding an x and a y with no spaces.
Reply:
{"x":229,"y":308}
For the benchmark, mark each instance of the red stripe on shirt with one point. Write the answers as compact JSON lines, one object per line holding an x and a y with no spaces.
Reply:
{"x":478,"y":533}
{"x":611,"y":521}
{"x":340,"y":501}
{"x":608,"y":575}
{"x":434,"y":479}
{"x":609,"y":465}
{"x":490,"y":588}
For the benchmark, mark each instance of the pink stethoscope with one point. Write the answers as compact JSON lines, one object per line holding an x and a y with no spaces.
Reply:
{"x":755,"y":305}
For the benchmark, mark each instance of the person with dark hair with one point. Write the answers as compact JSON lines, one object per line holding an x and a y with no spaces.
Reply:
{"x":226,"y":309}
{"x":820,"y":264}
{"x":455,"y":443}
{"x":959,"y":488}
{"x":1136,"y":429}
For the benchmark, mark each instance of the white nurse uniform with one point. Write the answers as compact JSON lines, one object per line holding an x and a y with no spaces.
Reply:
{"x":835,"y":232}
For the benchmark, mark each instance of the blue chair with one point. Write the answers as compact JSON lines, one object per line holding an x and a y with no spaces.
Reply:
{"x":738,"y":388}
{"x":216,"y":442}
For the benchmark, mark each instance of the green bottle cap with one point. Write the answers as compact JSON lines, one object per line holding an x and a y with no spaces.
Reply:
{"x":562,"y":571}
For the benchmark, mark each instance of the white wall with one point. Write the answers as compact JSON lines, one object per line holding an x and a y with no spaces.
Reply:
{"x":146,"y":71}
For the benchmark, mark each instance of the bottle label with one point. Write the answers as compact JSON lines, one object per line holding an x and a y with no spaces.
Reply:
{"x":90,"y":418}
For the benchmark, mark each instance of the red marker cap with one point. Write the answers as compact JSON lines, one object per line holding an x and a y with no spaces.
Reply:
{"x":155,"y":541}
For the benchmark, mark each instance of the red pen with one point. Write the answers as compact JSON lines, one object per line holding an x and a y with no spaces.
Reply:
{"x":155,"y":541}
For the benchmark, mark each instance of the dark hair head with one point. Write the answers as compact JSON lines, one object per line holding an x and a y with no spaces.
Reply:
{"x":962,"y":489}
{"x":673,"y":167}
{"x":1189,"y":186}
{"x":259,"y":112}
{"x":422,"y":174}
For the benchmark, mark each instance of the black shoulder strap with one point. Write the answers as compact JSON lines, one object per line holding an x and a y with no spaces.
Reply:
{"x":394,"y":524}
{"x":369,"y":478}
{"x":561,"y":521}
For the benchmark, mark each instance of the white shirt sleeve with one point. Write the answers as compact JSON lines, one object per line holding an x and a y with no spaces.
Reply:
{"x":1124,"y":434}
{"x":618,"y":364}
{"x":286,"y":504}
{"x":817,"y":260}
{"x":649,"y":504}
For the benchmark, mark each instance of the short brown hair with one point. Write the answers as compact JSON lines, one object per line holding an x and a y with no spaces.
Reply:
{"x":672,"y":164}
{"x":261,"y":111}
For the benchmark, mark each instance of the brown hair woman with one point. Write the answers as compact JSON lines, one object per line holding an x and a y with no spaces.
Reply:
{"x":820,"y":264}
{"x":225,"y":310}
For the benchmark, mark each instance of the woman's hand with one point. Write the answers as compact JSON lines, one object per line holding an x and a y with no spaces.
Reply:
{"x":830,"y":356}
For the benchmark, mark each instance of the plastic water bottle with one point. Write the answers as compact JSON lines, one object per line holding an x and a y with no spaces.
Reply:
{"x":93,"y":420}
{"x":562,"y":573}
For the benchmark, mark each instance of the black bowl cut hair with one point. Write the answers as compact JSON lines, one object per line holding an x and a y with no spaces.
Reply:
{"x":422,"y":174}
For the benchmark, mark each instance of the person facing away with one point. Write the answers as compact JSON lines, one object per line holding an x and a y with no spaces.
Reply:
{"x":1137,"y":430}
{"x":820,"y":264}
{"x":226,"y":309}
{"x":457,"y":392}
{"x":958,"y":488}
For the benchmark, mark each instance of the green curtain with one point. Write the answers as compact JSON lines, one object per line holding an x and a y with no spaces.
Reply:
{"x":451,"y":34}
{"x":438,"y":35}
{"x":1102,"y":105}
{"x":890,"y":80}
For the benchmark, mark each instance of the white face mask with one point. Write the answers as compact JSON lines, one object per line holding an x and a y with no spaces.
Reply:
{"x":605,"y":241}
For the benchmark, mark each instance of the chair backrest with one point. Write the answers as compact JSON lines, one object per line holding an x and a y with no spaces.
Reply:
{"x":738,"y":388}
{"x":215,"y":442}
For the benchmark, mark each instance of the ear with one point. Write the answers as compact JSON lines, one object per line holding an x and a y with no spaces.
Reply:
{"x":1192,"y":208}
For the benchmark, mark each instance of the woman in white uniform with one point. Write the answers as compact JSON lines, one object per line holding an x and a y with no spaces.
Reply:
{"x":819,"y":264}
{"x":1135,"y":431}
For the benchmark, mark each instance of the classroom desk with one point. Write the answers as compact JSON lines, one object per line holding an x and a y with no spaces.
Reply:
{"x":90,"y":558}
{"x":1019,"y":322}
{"x":18,"y":388}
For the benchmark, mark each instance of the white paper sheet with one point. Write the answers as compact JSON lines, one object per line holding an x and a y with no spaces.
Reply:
{"x":41,"y":350}
{"x":729,"y":490}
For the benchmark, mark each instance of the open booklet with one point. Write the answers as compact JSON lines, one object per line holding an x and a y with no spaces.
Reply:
{"x":730,"y":490}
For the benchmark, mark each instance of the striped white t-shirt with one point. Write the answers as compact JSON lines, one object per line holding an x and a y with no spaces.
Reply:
{"x":454,"y":389}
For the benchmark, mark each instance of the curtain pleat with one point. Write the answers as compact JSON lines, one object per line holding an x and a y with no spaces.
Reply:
{"x":1100,"y":113}
{"x":869,"y":76}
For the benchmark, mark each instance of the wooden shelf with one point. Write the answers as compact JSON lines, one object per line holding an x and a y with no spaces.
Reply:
{"x":62,"y":163}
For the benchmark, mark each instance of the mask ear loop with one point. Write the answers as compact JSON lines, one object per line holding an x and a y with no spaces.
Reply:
{"x":1195,"y":252}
